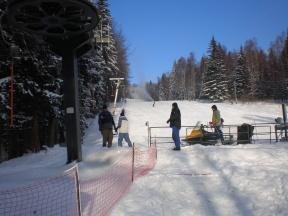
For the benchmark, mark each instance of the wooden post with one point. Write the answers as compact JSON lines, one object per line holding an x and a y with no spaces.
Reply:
{"x":133,"y":161}
{"x":78,"y":191}
{"x":12,"y":95}
{"x":284,"y":119}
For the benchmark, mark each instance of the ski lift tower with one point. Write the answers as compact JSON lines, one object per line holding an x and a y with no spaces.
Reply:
{"x":118,"y":83}
{"x":67,"y":26}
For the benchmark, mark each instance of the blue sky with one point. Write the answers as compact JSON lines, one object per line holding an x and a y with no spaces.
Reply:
{"x":158,"y":32}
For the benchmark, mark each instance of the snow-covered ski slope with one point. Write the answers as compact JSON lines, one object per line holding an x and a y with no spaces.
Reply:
{"x":199,"y":180}
{"x":208,"y":180}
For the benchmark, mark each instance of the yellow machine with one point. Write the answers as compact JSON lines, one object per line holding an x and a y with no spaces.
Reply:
{"x":195,"y":134}
{"x":200,"y":136}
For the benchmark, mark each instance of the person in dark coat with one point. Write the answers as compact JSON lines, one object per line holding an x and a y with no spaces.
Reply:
{"x":175,"y":124}
{"x":106,"y":125}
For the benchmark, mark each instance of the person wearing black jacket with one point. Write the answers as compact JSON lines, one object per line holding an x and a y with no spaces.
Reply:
{"x":106,"y":124}
{"x":175,"y":124}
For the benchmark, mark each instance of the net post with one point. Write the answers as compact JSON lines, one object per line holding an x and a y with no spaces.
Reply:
{"x":284,"y":111}
{"x":133,"y":161}
{"x":78,"y":191}
{"x":156,"y":152}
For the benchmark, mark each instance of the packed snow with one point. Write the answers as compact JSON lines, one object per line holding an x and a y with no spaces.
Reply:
{"x":250,"y":179}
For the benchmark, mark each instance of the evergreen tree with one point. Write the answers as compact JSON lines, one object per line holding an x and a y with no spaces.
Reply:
{"x":275,"y":76}
{"x":173,"y":91}
{"x":105,"y":35}
{"x":241,"y":76}
{"x":284,"y":64}
{"x":92,"y":85}
{"x":180,"y":77}
{"x":122,"y":63}
{"x":164,"y":88}
{"x":251,"y":52}
{"x":215,"y":84}
{"x":190,"y":78}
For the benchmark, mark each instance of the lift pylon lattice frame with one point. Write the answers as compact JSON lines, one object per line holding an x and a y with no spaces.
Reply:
{"x":118,"y":83}
{"x":67,"y":26}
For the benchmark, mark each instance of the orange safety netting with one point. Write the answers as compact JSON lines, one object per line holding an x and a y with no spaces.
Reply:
{"x":144,"y":161}
{"x":53,"y":196}
{"x":63,"y":195}
{"x":99,"y":195}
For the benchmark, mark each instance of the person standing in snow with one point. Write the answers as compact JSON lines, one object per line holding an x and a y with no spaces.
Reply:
{"x":106,"y":124}
{"x":175,"y":124}
{"x":217,"y":122}
{"x":123,"y":129}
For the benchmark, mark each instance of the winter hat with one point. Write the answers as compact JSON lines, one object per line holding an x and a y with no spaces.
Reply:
{"x":214,"y":107}
{"x":175,"y":105}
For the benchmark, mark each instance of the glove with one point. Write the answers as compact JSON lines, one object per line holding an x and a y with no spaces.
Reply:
{"x":167,"y":121}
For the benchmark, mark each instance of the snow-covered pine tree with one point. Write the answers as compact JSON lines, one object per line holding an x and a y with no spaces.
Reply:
{"x":173,"y":91}
{"x":4,"y":100}
{"x":241,"y":76}
{"x":222,"y":79}
{"x":37,"y":85}
{"x":108,"y":46}
{"x":85,"y":99}
{"x":215,"y":83}
{"x":122,"y":63}
{"x":190,"y":78}
{"x":180,"y":77}
{"x":164,"y":88}
{"x":92,"y":85}
{"x":98,"y":85}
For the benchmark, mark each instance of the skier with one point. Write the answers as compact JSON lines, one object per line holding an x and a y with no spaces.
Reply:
{"x":106,"y":124}
{"x":123,"y":129}
{"x":175,"y":124}
{"x":217,"y":123}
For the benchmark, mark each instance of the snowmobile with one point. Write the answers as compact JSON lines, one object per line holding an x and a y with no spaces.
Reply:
{"x":201,"y":135}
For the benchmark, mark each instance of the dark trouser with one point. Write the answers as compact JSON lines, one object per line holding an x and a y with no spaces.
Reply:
{"x":219,"y":133}
{"x":175,"y":136}
{"x":107,"y":135}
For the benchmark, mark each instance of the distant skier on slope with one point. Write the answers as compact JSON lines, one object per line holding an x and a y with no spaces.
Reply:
{"x":175,"y":124}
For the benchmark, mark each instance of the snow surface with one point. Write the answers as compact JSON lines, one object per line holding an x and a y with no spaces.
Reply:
{"x":229,"y":180}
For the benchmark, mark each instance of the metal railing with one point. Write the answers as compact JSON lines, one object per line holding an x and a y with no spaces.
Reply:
{"x":262,"y":132}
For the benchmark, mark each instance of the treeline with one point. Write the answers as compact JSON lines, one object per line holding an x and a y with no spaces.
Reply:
{"x":31,"y":94}
{"x":249,"y":73}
